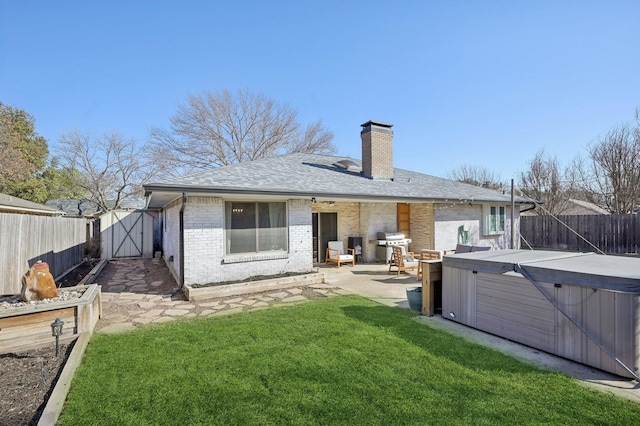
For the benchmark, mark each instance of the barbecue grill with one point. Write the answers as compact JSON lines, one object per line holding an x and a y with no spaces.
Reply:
{"x":386,"y":241}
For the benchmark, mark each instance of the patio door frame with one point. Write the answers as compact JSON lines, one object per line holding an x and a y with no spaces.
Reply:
{"x":325,"y":229}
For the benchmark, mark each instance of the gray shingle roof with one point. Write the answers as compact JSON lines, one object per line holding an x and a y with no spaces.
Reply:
{"x":312,"y":175}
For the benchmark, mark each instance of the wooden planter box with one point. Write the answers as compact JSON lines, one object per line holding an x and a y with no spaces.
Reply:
{"x":29,"y":327}
{"x":236,"y":289}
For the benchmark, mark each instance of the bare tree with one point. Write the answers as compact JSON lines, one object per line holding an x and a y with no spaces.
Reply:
{"x":476,"y":175}
{"x":611,"y":177}
{"x":218,"y":129}
{"x":316,"y":139}
{"x":110,"y":168}
{"x":544,"y":181}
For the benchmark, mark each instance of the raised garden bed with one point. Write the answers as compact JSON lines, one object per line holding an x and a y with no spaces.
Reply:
{"x":29,"y":326}
{"x":246,"y":287}
{"x":55,"y":402}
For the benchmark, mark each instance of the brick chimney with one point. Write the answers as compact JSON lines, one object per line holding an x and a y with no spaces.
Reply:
{"x":377,"y":150}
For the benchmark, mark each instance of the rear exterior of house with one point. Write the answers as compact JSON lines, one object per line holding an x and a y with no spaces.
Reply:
{"x":276,"y":215}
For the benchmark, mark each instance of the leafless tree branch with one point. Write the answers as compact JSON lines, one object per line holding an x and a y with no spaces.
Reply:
{"x":544,"y":181}
{"x":218,"y":129}
{"x":111,"y":168}
{"x":476,"y":175}
{"x":612,"y":177}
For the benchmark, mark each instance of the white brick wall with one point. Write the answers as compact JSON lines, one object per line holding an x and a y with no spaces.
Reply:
{"x":300,"y":235}
{"x":171,"y":238}
{"x":448,"y":218}
{"x":203,"y":239}
{"x":205,"y":261}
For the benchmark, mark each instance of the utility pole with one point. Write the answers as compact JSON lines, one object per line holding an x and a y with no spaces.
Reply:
{"x":513,"y":219}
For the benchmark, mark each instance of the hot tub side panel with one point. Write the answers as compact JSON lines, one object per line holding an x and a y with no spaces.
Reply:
{"x":459,"y":295}
{"x":506,"y":305}
{"x":510,"y":306}
{"x":611,"y":320}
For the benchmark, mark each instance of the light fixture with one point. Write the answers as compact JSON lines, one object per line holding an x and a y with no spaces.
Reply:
{"x":56,"y":331}
{"x":452,"y":314}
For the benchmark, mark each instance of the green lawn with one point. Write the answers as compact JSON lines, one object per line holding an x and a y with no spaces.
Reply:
{"x":342,"y":360}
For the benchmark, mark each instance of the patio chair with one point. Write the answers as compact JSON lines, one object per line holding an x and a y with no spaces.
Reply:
{"x":402,"y":260}
{"x":336,"y":254}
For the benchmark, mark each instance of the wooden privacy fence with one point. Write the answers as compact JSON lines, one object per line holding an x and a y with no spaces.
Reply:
{"x":613,"y":234}
{"x":25,"y":239}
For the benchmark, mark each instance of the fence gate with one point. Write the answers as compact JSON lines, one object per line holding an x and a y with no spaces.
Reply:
{"x":126,"y":234}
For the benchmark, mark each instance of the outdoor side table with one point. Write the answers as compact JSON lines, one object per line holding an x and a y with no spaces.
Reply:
{"x":431,"y":274}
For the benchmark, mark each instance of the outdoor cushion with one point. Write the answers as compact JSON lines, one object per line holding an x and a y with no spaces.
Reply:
{"x":402,"y":260}
{"x":335,"y":253}
{"x":409,"y":260}
{"x":461,"y":248}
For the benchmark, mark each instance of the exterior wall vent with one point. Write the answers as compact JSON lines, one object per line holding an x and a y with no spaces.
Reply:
{"x":349,"y":165}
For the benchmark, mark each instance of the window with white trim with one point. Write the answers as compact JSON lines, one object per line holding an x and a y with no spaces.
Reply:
{"x":252,"y":227}
{"x":494,"y":219}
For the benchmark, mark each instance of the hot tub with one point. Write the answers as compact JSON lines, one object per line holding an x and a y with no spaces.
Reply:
{"x":580,"y":306}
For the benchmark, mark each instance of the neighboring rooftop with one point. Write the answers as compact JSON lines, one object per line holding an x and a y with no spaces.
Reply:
{"x":86,"y":208}
{"x":75,"y":207}
{"x":584,"y":207}
{"x":576,"y":208}
{"x":11,"y":204}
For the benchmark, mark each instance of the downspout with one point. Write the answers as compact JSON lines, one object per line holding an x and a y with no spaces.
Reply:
{"x":533,"y":206}
{"x":185,"y":197}
{"x":611,"y":355}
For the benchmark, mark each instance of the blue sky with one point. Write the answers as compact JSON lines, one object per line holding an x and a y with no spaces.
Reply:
{"x":485,"y":83}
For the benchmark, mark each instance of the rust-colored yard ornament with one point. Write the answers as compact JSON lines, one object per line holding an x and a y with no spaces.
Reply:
{"x":38,"y":283}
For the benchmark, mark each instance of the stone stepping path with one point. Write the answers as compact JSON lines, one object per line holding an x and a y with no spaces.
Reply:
{"x":133,"y":297}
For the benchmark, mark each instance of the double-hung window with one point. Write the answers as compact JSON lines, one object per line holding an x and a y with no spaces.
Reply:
{"x":494,"y":219}
{"x":252,"y":227}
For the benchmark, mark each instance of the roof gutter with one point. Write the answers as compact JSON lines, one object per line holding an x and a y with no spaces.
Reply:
{"x":12,"y":209}
{"x":333,"y":196}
